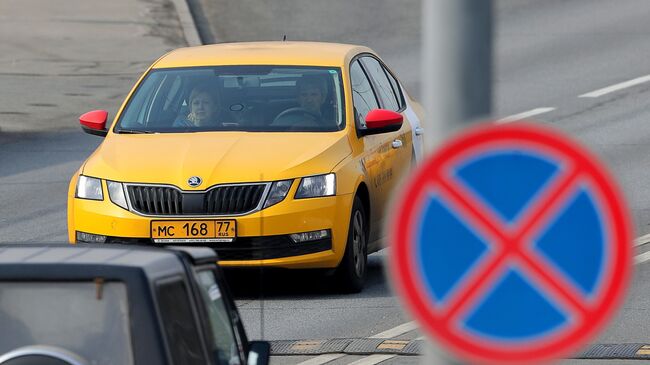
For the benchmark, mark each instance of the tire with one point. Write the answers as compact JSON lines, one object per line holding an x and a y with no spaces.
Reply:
{"x":351,"y":273}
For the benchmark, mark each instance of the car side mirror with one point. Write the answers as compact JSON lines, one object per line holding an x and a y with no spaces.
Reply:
{"x":259,"y":353}
{"x":382,"y":121}
{"x":94,"y":122}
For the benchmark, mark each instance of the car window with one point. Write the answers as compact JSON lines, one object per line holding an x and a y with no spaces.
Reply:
{"x":220,"y":322}
{"x":383,"y":86}
{"x":70,"y":315}
{"x":138,"y":105}
{"x":236,"y":98}
{"x":396,"y":88}
{"x":363,"y":96}
{"x":178,"y":320}
{"x":173,"y":94}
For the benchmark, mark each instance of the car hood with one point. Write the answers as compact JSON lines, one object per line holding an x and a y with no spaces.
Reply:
{"x":216,"y":157}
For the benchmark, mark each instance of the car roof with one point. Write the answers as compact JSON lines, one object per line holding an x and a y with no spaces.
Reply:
{"x":154,"y":261}
{"x":263,"y":53}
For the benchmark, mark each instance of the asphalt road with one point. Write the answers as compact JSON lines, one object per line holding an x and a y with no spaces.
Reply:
{"x":60,"y":59}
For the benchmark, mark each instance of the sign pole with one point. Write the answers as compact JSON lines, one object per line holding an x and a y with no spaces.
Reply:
{"x":483,"y":237}
{"x":456,"y":65}
{"x":457,"y":75}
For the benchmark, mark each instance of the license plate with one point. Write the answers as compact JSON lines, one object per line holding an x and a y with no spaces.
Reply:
{"x":224,"y":230}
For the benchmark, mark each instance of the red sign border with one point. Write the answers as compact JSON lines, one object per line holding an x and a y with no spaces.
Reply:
{"x":408,"y":283}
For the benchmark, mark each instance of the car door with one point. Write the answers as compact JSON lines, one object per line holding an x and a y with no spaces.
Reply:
{"x":364,"y":100}
{"x":380,"y":157}
{"x":410,"y":116}
{"x":399,"y":143}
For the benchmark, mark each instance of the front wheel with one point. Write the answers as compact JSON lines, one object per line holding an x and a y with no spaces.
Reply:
{"x":352,"y":269}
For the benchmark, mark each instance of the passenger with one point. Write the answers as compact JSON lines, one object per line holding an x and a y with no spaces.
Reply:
{"x":204,"y":108}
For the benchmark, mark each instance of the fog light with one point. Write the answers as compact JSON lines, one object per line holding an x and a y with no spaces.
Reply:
{"x":84,"y":237}
{"x":310,"y":236}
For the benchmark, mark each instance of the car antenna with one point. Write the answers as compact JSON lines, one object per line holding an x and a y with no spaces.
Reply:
{"x":284,"y":38}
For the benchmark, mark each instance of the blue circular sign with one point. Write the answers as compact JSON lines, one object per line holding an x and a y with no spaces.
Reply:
{"x":511,"y":244}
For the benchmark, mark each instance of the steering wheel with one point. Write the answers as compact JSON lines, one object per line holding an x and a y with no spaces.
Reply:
{"x":296,"y":111}
{"x":41,"y":355}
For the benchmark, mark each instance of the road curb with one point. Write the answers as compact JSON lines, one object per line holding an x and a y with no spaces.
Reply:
{"x":190,"y":31}
{"x":350,"y":346}
{"x":369,"y":346}
{"x":636,"y":351}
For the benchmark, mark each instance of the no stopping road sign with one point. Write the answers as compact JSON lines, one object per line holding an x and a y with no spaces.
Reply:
{"x":511,"y":244}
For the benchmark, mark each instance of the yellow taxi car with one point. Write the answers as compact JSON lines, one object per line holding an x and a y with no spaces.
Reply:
{"x":277,"y":154}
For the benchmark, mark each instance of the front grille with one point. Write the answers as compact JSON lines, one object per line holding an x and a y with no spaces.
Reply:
{"x":234,"y":199}
{"x":219,"y":200}
{"x":156,"y":200}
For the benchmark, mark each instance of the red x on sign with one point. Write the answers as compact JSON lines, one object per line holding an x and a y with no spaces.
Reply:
{"x":511,"y":244}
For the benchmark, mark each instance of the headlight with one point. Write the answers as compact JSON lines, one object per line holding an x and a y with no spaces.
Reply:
{"x":315,"y":186}
{"x":116,"y":194}
{"x":278,"y":192}
{"x":89,"y":188}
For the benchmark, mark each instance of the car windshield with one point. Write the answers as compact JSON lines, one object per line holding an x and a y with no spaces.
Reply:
{"x":236,"y":98}
{"x":76,"y":316}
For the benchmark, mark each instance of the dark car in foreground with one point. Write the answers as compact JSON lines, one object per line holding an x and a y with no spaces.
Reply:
{"x":63,"y":304}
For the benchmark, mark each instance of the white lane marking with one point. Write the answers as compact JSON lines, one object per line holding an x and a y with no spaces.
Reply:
{"x":372,"y":360}
{"x":399,"y":330}
{"x":620,"y":86}
{"x":524,"y":115}
{"x":642,"y":240}
{"x":322,"y":359}
{"x":642,"y":258}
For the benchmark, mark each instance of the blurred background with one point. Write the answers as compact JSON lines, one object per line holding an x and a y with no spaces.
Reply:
{"x":61,"y":58}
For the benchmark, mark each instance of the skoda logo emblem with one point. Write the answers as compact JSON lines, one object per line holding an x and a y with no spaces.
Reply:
{"x":194,"y":181}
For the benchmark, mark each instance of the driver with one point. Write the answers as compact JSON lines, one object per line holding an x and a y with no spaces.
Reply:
{"x":312,"y":95}
{"x":312,"y":92}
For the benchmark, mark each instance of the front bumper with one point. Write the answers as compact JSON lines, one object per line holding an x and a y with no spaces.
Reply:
{"x":262,"y":237}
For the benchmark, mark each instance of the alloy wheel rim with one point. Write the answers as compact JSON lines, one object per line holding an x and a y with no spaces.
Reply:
{"x":358,"y":243}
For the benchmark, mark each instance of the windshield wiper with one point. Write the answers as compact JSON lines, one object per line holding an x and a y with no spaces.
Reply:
{"x":132,"y":131}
